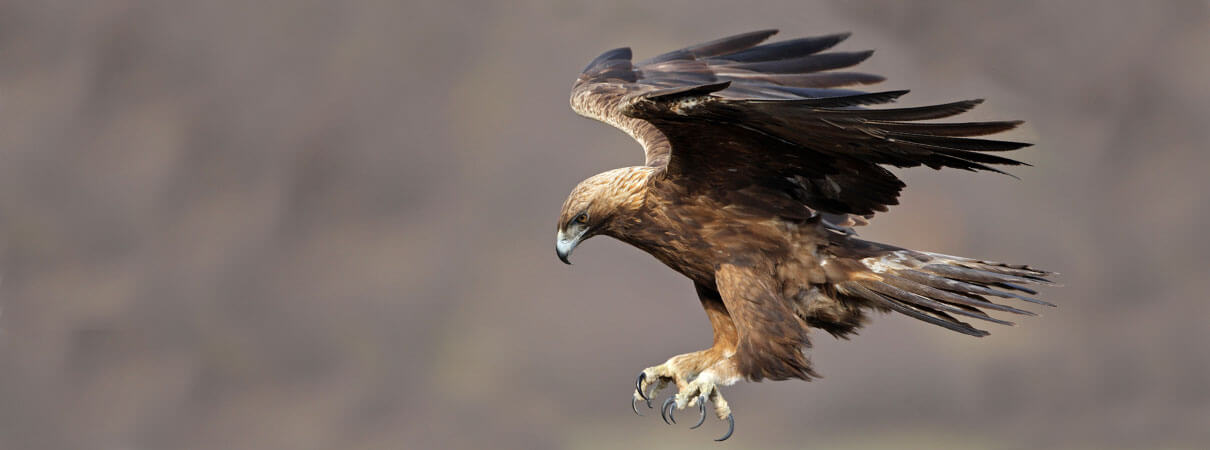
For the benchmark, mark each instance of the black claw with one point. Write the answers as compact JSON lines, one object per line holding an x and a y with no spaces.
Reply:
{"x":638,"y":386}
{"x":635,"y":406}
{"x":730,"y":428}
{"x":666,"y":411}
{"x":701,"y":407}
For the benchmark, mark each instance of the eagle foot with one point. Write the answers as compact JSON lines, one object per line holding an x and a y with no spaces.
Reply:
{"x":644,"y":384}
{"x":694,"y":393}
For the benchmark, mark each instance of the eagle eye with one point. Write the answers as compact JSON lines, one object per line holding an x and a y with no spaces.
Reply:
{"x":582,"y":218}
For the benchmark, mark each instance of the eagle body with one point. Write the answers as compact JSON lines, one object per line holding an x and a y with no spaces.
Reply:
{"x":757,"y":168}
{"x":696,"y":235}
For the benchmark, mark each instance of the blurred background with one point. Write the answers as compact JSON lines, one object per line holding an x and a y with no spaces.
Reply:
{"x":318,"y":225}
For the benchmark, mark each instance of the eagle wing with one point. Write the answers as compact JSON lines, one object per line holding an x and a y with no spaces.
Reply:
{"x":767,"y":123}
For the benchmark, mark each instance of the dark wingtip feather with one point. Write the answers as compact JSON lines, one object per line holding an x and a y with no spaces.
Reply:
{"x":792,"y":48}
{"x":719,"y":46}
{"x":910,"y":114}
{"x":959,"y":143}
{"x":802,"y":64}
{"x":952,"y":129}
{"x":804,"y":80}
{"x":614,"y":54}
{"x":730,"y":43}
{"x":872,"y":98}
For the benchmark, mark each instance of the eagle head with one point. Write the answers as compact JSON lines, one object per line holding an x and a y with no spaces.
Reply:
{"x":595,"y":204}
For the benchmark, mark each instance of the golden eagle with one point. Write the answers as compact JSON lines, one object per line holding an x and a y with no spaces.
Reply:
{"x":757,"y":168}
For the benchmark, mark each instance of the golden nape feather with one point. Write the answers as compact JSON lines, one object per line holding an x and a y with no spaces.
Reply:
{"x":758,"y":161}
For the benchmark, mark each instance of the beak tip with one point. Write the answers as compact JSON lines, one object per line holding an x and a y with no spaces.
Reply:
{"x":564,"y":247}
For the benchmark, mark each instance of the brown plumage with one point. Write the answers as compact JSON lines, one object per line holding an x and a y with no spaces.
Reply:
{"x":757,"y":167}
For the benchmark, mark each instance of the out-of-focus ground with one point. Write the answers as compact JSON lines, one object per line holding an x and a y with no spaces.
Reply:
{"x":318,"y":225}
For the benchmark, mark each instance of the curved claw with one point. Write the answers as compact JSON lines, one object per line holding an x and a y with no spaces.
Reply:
{"x":666,"y":410}
{"x":730,"y":428}
{"x":701,"y":406}
{"x":635,"y":406}
{"x":638,"y":386}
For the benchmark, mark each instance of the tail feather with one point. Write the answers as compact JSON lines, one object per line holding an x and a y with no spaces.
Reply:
{"x":931,"y":316}
{"x":951,"y":291}
{"x":914,"y":298}
{"x":933,"y":287}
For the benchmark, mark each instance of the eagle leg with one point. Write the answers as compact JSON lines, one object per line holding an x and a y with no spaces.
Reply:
{"x":695,"y":387}
{"x":697,"y":375}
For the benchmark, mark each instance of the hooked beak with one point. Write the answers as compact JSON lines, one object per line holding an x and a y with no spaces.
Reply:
{"x":565,"y":244}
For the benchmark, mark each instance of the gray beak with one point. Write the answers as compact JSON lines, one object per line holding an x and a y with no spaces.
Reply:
{"x":564,"y":245}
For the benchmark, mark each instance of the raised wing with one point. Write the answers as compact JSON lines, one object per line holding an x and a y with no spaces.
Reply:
{"x":766,"y":123}
{"x":782,"y":70}
{"x":825,"y":153}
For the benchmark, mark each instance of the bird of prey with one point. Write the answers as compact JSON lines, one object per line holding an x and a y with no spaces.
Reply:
{"x":758,"y":166}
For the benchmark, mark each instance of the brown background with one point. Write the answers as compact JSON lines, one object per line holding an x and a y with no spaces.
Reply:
{"x":320,"y":225}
